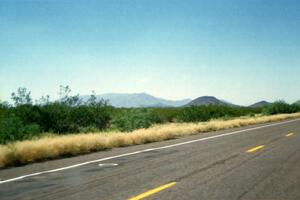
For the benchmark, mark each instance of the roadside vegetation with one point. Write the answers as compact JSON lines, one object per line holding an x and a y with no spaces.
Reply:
{"x":55,"y":146}
{"x":51,"y":129}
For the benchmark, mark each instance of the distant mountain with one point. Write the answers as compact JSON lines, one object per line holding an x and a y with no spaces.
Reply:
{"x":208,"y":100}
{"x":137,"y":100}
{"x":260,"y":104}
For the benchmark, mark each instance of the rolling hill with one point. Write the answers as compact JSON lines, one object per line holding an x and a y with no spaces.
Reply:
{"x":208,"y":100}
{"x":260,"y":104}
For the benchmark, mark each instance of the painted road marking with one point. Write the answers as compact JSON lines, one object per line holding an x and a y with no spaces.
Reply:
{"x":255,"y":149}
{"x":153,"y":191}
{"x":142,"y":151}
{"x":290,"y":134}
{"x":108,"y":164}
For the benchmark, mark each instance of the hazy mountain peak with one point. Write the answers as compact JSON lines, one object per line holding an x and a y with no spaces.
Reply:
{"x":142,"y":99}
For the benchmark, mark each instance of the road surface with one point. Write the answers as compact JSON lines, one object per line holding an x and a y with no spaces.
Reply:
{"x":254,"y":162}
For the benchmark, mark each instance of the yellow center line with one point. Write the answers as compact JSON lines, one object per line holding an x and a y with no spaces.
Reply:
{"x":255,"y":149}
{"x":153,"y":191}
{"x":290,"y":134}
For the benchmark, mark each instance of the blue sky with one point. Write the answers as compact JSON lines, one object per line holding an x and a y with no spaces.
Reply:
{"x":242,"y":50}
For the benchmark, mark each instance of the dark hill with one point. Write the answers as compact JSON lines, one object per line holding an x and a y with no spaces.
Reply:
{"x":207,"y":100}
{"x":260,"y":104}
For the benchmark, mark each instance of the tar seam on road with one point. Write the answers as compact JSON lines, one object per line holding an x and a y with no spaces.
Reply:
{"x":142,"y":151}
{"x":255,"y":149}
{"x":153,"y":191}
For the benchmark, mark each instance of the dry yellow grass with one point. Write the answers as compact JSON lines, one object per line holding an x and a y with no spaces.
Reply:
{"x":57,"y":146}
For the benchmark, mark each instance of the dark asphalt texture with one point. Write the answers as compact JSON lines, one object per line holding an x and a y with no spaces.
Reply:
{"x":214,"y":169}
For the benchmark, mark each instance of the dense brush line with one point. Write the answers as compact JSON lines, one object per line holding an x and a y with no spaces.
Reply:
{"x":23,"y":152}
{"x":26,"y":121}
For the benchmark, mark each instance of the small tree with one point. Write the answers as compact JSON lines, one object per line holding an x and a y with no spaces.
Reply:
{"x":44,"y":100}
{"x":21,"y":97}
{"x":93,"y":99}
{"x":64,"y":94}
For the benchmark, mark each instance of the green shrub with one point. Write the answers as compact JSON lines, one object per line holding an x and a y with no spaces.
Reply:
{"x":194,"y":114}
{"x":296,"y":106}
{"x":207,"y":112}
{"x":12,"y":129}
{"x":165,"y":115}
{"x":102,"y":115}
{"x":29,"y":131}
{"x":278,"y":107}
{"x":134,"y":119}
{"x":54,"y":118}
{"x":62,"y":118}
{"x":28,"y":113}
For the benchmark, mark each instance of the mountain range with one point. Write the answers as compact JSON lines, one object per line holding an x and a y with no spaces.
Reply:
{"x":134,"y":100}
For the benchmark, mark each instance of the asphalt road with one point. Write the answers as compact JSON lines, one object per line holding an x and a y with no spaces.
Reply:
{"x":254,"y":162}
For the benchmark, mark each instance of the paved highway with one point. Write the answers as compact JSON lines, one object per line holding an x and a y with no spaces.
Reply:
{"x":254,"y":162}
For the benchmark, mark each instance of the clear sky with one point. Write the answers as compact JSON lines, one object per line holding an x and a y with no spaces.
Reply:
{"x":238,"y":50}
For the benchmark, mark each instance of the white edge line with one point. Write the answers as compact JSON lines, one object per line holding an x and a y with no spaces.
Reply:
{"x":142,"y":151}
